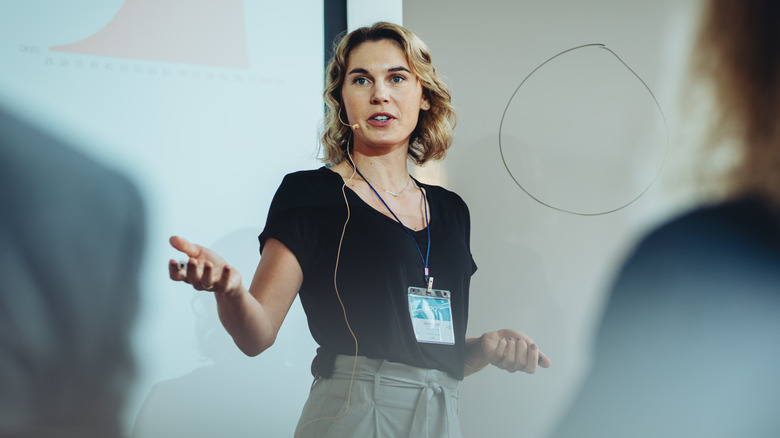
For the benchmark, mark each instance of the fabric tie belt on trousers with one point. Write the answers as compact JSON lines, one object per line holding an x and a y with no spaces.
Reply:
{"x":431,"y":383}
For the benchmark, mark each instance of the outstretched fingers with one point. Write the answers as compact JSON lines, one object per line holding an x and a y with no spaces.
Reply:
{"x":205,"y":275}
{"x":176,"y":271}
{"x":185,"y":246}
{"x":226,"y":280}
{"x":207,"y":278}
{"x":202,"y":269}
{"x":195,"y":273}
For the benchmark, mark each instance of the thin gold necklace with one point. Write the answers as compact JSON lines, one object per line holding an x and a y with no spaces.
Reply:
{"x":409,"y":181}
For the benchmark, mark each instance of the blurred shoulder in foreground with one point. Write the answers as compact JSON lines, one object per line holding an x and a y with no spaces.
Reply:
{"x":688,"y":342}
{"x":71,"y":238}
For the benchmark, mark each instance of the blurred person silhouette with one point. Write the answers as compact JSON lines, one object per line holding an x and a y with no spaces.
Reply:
{"x":71,"y":236}
{"x":688,"y":343}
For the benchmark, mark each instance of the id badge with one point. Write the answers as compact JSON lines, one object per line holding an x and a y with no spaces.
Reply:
{"x":431,"y":315}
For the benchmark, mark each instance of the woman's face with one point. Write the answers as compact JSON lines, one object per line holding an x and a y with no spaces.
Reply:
{"x":382,"y":96}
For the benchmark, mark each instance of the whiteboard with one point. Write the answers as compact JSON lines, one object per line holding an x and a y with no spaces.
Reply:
{"x":585,"y":169}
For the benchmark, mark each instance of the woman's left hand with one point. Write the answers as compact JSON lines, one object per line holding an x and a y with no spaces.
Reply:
{"x":507,"y":349}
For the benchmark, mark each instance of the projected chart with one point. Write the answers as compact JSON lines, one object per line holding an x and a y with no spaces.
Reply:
{"x":583,"y":133}
{"x":200,"y":32}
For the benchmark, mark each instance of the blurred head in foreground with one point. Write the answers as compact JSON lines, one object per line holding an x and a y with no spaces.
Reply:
{"x":71,"y":235}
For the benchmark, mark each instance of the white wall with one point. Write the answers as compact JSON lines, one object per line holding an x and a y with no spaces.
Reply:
{"x":365,"y":12}
{"x":582,"y":134}
{"x":208,"y":146}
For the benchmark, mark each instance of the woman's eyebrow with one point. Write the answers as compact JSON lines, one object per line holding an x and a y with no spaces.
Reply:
{"x":360,"y":70}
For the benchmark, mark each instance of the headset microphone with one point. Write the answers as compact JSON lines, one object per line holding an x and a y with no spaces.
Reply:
{"x":355,"y":126}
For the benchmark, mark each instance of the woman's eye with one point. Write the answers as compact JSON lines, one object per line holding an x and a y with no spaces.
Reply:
{"x":361,"y":81}
{"x":397,"y":79}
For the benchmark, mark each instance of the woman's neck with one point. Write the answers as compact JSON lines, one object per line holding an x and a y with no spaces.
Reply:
{"x":389,"y":171}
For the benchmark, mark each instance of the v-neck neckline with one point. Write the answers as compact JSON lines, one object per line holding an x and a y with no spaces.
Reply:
{"x":391,"y":218}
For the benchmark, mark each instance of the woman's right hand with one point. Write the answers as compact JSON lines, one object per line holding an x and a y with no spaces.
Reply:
{"x":205,"y":269}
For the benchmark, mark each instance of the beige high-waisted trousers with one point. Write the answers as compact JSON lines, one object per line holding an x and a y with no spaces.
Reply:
{"x":388,"y":400}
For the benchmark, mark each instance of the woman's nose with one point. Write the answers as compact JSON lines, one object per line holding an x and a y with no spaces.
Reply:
{"x":380,"y":94}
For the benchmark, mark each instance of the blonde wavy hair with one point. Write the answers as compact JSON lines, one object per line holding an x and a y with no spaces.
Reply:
{"x":433,"y":134}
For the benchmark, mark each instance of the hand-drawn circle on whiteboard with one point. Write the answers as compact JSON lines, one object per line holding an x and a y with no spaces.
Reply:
{"x":583,"y":133}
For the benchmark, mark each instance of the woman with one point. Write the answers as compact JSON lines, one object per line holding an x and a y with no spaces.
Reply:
{"x":688,"y":345}
{"x":380,"y":260}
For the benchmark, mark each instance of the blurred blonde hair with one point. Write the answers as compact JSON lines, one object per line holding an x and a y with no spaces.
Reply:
{"x":738,"y":57}
{"x":433,"y":134}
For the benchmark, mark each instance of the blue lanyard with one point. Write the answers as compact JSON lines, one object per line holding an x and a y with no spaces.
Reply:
{"x":428,"y":278}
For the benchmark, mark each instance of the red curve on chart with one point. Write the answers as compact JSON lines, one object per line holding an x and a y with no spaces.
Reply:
{"x":201,"y":32}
